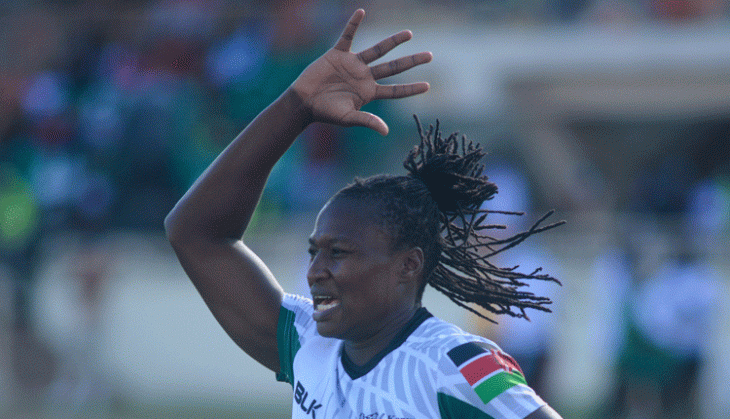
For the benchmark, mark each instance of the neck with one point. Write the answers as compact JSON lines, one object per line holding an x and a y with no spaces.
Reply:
{"x":362,"y":351}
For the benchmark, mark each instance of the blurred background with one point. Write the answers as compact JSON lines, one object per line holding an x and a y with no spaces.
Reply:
{"x":615,"y":113}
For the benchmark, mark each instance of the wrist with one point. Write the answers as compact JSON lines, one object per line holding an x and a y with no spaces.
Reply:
{"x":297,"y":105}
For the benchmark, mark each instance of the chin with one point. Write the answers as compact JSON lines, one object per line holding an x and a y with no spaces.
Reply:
{"x":327,"y":330}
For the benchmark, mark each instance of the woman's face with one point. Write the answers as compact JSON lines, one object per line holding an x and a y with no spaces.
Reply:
{"x":353,"y":274}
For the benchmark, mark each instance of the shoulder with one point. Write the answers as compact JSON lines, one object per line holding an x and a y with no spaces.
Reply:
{"x":471,"y":359}
{"x":473,"y":372}
{"x":440,"y":346}
{"x":437,"y":338}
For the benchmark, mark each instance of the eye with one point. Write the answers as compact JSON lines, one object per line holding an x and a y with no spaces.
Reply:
{"x":337,"y":252}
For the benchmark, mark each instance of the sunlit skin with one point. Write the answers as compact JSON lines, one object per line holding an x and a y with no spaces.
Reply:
{"x":352,"y":261}
{"x":376,"y":287}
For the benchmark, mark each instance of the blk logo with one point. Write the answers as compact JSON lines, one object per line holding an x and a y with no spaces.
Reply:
{"x":301,"y":396}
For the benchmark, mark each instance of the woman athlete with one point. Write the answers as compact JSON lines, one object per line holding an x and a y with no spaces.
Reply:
{"x":362,"y":346}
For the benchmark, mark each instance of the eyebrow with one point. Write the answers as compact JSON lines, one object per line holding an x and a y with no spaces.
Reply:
{"x":330,"y":241}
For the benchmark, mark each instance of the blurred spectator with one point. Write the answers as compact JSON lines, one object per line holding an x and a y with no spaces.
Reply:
{"x":7,"y":388}
{"x":27,"y":363}
{"x":613,"y":272}
{"x":708,"y":212}
{"x":669,"y":317}
{"x":19,"y":230}
{"x":79,"y":386}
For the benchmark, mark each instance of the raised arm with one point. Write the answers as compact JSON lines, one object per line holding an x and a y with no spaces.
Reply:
{"x":206,"y":226}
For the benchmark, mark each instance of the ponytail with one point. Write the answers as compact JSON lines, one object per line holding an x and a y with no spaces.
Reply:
{"x":437,"y":206}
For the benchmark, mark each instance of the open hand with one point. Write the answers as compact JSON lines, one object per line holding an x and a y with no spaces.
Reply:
{"x":339,"y":83}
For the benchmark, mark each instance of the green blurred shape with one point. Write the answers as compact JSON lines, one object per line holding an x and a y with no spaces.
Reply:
{"x":18,"y":210}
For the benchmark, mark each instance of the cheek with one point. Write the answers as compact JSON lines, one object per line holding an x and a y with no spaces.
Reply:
{"x":371,"y":287}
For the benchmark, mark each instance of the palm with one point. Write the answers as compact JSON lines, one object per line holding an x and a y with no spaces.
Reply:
{"x":345,"y":84}
{"x":339,"y":83}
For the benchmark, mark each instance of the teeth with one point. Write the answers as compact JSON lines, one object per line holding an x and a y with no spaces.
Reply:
{"x":323,"y":307}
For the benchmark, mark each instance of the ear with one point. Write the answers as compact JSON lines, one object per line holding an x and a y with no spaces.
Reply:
{"x":412,"y":264}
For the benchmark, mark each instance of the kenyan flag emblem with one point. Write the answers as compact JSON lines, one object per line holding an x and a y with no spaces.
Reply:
{"x":488,"y":371}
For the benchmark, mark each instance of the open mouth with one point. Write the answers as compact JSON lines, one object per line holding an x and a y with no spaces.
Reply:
{"x":324,"y":302}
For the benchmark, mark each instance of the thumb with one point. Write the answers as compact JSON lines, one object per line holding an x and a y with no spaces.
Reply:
{"x":367,"y":120}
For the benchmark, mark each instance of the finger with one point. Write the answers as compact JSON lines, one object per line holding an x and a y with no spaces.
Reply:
{"x":400,"y":65}
{"x":395,"y":91}
{"x":345,"y":41}
{"x":366,"y":119}
{"x":383,"y":47}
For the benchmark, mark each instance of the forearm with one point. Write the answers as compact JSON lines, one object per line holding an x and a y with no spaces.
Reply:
{"x":220,"y":203}
{"x":206,"y":225}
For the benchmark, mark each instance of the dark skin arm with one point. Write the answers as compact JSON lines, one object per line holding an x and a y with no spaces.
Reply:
{"x":206,"y":226}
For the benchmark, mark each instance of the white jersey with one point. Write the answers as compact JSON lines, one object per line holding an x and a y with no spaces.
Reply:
{"x":432,"y":369}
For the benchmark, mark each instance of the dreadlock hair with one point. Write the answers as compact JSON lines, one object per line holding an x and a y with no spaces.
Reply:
{"x":436,"y":207}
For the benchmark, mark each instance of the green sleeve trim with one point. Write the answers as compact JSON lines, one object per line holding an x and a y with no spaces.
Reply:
{"x":287,"y":342}
{"x":452,"y":408}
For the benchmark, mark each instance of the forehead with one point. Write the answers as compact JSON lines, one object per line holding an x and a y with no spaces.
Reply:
{"x":348,"y":220}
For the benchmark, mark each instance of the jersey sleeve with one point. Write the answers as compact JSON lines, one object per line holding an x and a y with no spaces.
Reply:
{"x":294,"y":328}
{"x":481,"y":381}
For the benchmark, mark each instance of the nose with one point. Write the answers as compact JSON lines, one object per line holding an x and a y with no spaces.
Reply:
{"x":317,"y":270}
